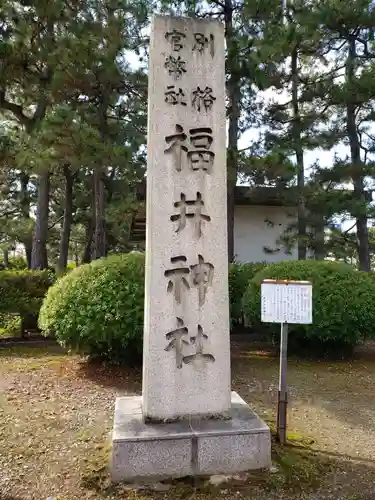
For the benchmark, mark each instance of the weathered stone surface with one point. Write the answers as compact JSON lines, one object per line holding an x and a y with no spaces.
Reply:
{"x":186,"y":340}
{"x":158,"y":459}
{"x":147,"y":451}
{"x":129,"y":423}
{"x":240,"y":417}
{"x":233,"y":453}
{"x":240,"y":443}
{"x":186,"y":359}
{"x":189,"y":447}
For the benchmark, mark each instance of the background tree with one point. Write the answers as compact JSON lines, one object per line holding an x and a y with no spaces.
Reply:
{"x":73,"y":120}
{"x":71,"y":56}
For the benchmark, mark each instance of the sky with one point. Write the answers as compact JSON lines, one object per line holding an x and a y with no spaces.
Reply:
{"x":323,"y":157}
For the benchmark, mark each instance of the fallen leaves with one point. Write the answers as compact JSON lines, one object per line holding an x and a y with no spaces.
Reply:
{"x":56,"y":414}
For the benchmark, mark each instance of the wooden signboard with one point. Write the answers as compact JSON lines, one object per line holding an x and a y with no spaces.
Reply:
{"x":286,"y":302}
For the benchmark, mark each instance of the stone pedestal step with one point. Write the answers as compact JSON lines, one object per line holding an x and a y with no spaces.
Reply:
{"x":189,"y":447}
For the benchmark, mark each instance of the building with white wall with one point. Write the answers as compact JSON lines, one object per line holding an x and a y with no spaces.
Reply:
{"x":261,"y":216}
{"x":257,"y":229}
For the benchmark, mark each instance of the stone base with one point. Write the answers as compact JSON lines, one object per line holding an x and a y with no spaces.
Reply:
{"x":186,"y":448}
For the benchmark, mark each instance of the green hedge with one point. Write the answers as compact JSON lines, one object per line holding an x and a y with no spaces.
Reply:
{"x":22,"y":293}
{"x":343,"y":306}
{"x":11,"y":325}
{"x":240,"y":276}
{"x":18,"y":263}
{"x":97,"y":308}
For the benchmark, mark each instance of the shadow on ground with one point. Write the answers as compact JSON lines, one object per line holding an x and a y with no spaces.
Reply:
{"x":57,"y":413}
{"x":332,"y":402}
{"x":32,"y":351}
{"x":297,"y":473}
{"x":122,"y":378}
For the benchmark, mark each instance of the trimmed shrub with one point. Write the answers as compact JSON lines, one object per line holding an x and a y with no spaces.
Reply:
{"x":97,"y":308}
{"x":18,"y":263}
{"x":22,"y":292}
{"x":239,"y":277}
{"x":10,"y":325}
{"x":343,"y":306}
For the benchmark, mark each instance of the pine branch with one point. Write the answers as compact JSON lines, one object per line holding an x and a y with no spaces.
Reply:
{"x":348,"y":230}
{"x":217,"y":2}
{"x":371,"y":137}
{"x":366,"y":53}
{"x":10,"y":213}
{"x":55,"y":223}
{"x":327,"y":76}
{"x":16,"y":109}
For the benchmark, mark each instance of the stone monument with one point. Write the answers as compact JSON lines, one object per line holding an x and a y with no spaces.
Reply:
{"x":187,"y":421}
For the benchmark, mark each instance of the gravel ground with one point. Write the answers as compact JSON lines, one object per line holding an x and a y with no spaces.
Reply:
{"x":56,"y":415}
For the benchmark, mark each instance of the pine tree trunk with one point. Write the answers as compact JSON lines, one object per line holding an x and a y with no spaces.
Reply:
{"x":99,"y":175}
{"x":6,"y":258}
{"x":76,"y":255}
{"x":299,"y":157}
{"x":100,"y":247}
{"x":319,"y":246}
{"x":25,"y":211}
{"x":36,"y":250}
{"x":109,"y":196}
{"x":28,"y":244}
{"x":39,"y":251}
{"x":89,"y":226}
{"x":86,"y":257}
{"x":232,"y":158}
{"x":234,"y":96}
{"x":68,"y":219}
{"x":355,"y":154}
{"x":231,"y":191}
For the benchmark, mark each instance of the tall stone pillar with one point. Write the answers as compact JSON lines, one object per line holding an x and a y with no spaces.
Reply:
{"x":186,"y":367}
{"x":187,"y":420}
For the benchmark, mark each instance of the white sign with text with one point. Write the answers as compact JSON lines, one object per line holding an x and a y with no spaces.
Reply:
{"x":285,"y":301}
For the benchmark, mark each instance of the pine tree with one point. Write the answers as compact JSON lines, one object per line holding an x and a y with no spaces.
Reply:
{"x":347,"y":28}
{"x":55,"y":54}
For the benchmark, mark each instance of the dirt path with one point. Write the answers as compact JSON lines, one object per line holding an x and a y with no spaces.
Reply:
{"x":56,"y":415}
{"x":331,"y":408}
{"x":333,"y":403}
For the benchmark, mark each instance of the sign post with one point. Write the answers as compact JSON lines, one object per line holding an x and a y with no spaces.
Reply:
{"x":282,"y":401}
{"x":285,"y":302}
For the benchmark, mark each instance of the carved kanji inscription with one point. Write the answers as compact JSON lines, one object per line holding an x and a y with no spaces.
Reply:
{"x":199,"y":341}
{"x":203,"y":99}
{"x":201,"y":42}
{"x":195,"y":212}
{"x":176,"y":145}
{"x":176,"y":39}
{"x":202,"y":275}
{"x":175,"y":96}
{"x":175,"y":66}
{"x":177,"y":339}
{"x":199,"y":156}
{"x":177,"y":277}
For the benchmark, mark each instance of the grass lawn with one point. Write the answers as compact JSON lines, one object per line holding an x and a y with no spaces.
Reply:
{"x":56,"y":416}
